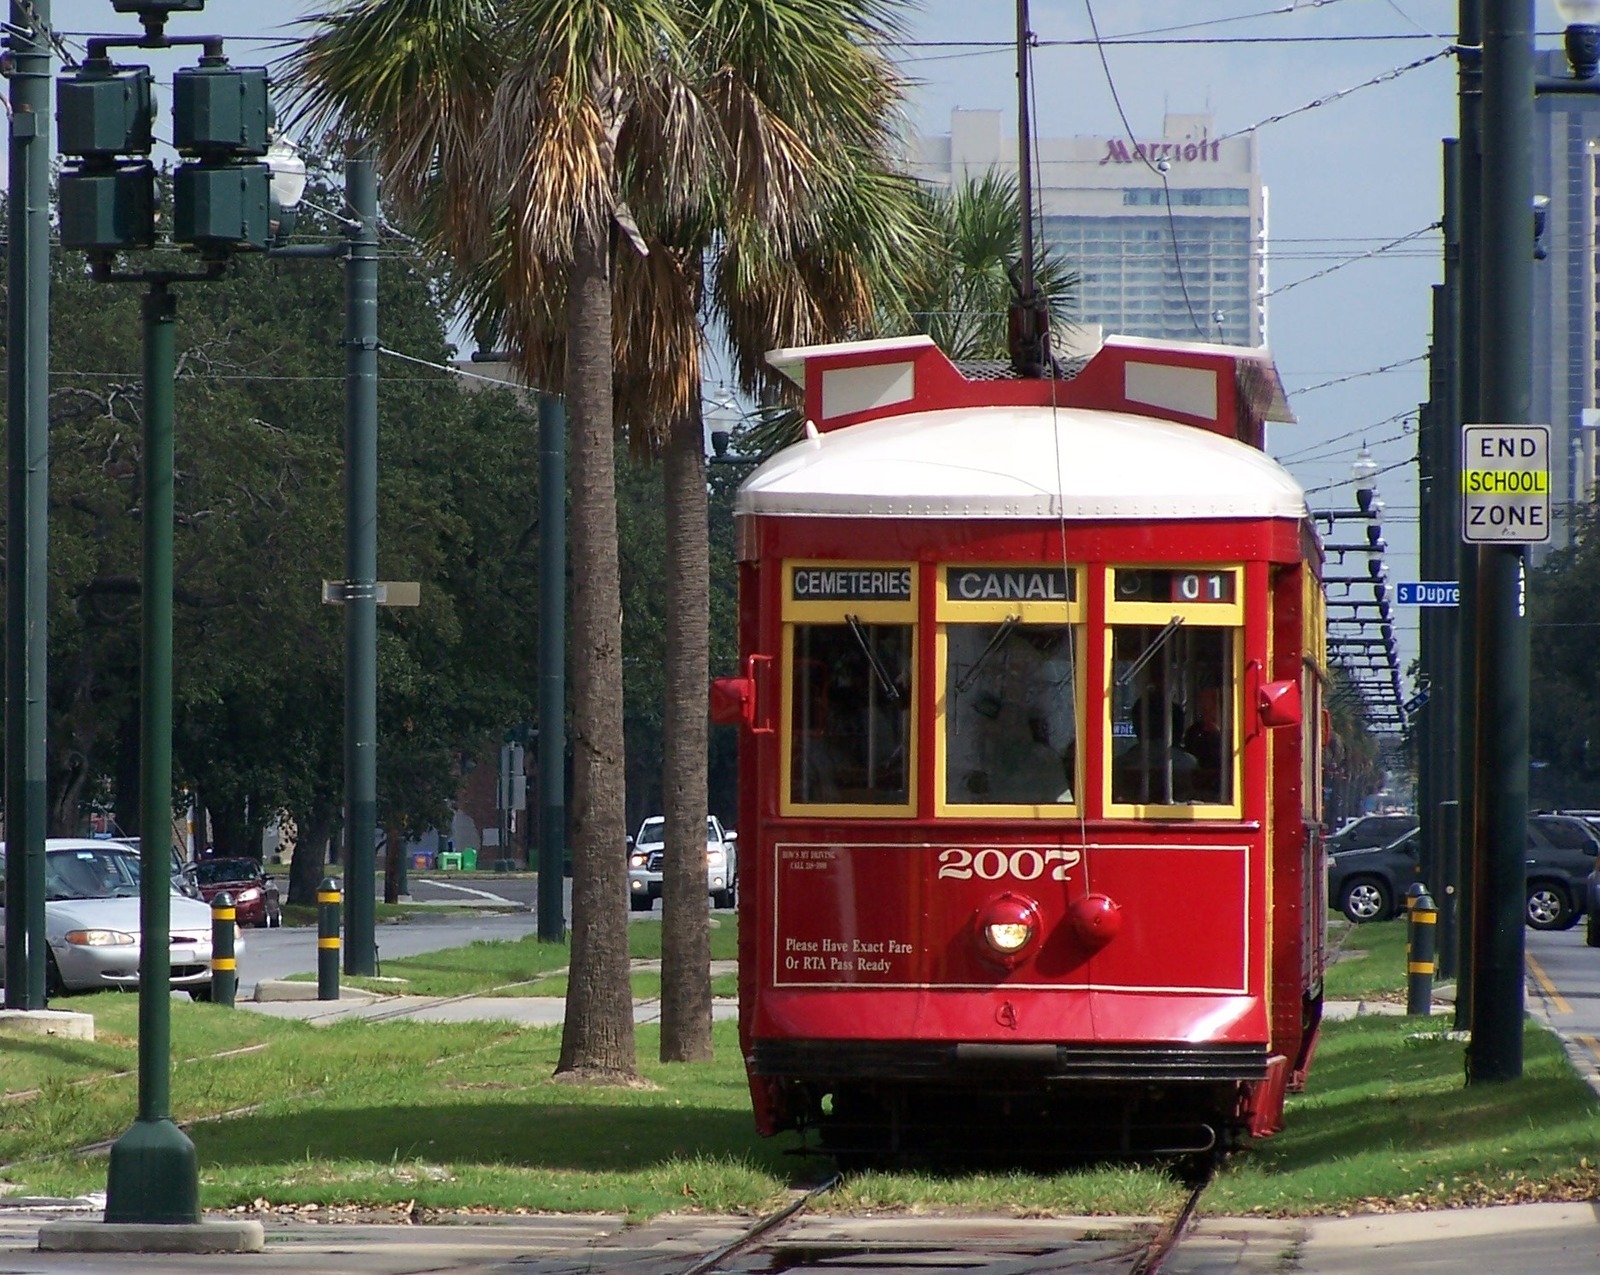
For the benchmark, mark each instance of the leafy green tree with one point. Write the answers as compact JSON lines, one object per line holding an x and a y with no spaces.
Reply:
{"x":1564,"y":682}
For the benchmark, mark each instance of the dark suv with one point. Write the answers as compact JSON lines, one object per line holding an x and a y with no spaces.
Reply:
{"x":1368,"y":883}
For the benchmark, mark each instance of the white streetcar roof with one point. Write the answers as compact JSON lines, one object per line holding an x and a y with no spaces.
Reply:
{"x":1022,"y":462}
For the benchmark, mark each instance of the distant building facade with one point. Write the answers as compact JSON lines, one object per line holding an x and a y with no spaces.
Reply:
{"x":1566,"y":305}
{"x":1115,"y":209}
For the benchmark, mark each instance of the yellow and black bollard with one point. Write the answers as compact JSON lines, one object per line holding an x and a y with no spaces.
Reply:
{"x":328,"y":900}
{"x":224,"y":967}
{"x":1421,"y":928}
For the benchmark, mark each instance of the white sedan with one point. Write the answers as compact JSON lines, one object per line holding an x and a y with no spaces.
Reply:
{"x":92,"y":924}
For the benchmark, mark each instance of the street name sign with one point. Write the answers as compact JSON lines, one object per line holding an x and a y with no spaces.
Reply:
{"x":1505,"y":484}
{"x":1410,"y":707}
{"x":1427,"y":593}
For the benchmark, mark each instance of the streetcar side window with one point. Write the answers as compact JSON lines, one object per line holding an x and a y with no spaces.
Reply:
{"x":1173,"y":716}
{"x":850,"y":714}
{"x":1011,"y":726}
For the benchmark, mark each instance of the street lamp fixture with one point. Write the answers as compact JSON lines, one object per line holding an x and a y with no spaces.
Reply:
{"x":287,"y":182}
{"x":1582,"y":18}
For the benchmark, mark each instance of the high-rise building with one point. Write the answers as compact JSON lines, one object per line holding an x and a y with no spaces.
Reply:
{"x":1566,"y":306}
{"x":1168,"y":235}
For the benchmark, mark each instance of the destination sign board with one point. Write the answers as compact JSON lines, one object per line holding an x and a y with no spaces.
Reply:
{"x":1427,"y":593}
{"x":851,"y":584}
{"x":1505,"y":484}
{"x":1010,"y":584}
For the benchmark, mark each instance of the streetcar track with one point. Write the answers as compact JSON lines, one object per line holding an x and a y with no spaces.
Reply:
{"x":762,"y":1228}
{"x":1168,"y":1236}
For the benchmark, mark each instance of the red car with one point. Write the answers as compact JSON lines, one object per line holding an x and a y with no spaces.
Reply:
{"x":255,"y":894}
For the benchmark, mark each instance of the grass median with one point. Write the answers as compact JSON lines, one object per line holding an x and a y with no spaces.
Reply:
{"x":446,"y":1118}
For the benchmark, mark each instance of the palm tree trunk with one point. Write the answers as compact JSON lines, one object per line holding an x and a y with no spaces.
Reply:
{"x":597,"y":1036}
{"x":685,"y":917}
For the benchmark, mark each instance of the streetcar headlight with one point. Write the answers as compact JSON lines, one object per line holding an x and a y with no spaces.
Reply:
{"x":1008,"y":936}
{"x":1007,"y":927}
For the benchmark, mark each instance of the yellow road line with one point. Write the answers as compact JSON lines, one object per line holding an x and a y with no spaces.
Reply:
{"x":1592,"y":1045}
{"x":1546,"y":985}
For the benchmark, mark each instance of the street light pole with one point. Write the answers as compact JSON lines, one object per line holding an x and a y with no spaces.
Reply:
{"x":27,"y":497}
{"x":552,"y":664}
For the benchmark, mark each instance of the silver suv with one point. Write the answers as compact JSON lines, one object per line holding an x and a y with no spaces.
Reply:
{"x":646,"y":851}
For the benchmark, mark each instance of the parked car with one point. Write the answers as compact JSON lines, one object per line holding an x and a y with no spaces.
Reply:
{"x":92,"y":924}
{"x":1369,"y":831}
{"x":256,"y":899}
{"x":1368,"y":883}
{"x":646,"y":851}
{"x":1562,"y":853}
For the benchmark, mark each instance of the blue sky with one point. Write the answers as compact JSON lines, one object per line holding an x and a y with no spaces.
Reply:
{"x":1345,"y":177}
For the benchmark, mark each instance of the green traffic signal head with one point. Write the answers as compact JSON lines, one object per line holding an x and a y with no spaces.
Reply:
{"x":221,"y":111}
{"x":157,"y":8}
{"x":105,"y":110}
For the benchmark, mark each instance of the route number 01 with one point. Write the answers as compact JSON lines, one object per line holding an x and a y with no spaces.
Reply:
{"x":1193,"y":586}
{"x":993,"y":864}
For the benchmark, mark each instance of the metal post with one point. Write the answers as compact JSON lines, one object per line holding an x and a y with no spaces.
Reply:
{"x":1421,"y":928}
{"x":154,"y":1176}
{"x":328,"y":940}
{"x":224,"y":965}
{"x":1469,"y":352}
{"x":1499,"y":846}
{"x":361,"y":563}
{"x":552,"y":665}
{"x":27,"y":496}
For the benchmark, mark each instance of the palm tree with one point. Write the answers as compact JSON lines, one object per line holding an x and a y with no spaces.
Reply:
{"x":508,"y":127}
{"x":791,"y":87}
{"x":961,"y":300}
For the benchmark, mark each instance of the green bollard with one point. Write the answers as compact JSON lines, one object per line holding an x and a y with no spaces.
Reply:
{"x":328,"y":900}
{"x":224,"y":966}
{"x":1421,"y":932}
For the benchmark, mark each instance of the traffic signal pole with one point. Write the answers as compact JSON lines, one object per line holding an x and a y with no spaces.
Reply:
{"x":27,"y":498}
{"x":154,"y":1175}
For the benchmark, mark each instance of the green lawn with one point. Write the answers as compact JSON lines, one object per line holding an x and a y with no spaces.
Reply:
{"x":456,"y":1116}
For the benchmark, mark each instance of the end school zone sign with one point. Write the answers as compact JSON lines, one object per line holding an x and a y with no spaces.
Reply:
{"x":1505,"y":484}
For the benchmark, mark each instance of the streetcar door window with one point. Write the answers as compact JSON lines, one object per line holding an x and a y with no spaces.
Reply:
{"x":1011,"y":726}
{"x":1172,"y":687}
{"x":851,"y":714}
{"x":1171,"y":720}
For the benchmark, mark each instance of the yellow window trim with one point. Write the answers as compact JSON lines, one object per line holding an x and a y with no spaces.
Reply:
{"x":1207,"y":614}
{"x":969,"y":612}
{"x":1188,"y":810}
{"x":874,"y":810}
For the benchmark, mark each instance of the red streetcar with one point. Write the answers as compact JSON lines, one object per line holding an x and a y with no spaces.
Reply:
{"x":1031,"y":741}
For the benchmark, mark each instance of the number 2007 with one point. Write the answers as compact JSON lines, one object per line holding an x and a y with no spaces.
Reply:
{"x":991,"y":864}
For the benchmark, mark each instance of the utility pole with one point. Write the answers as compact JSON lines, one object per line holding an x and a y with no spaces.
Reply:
{"x":27,"y":500}
{"x":1506,"y":386}
{"x":361,"y":565}
{"x":552,"y":665}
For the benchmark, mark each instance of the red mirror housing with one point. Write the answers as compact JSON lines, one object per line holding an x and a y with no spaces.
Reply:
{"x":733,"y":701}
{"x":1279,"y":703}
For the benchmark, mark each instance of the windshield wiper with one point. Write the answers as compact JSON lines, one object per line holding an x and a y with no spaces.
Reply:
{"x":889,"y":688}
{"x":1132,"y":671}
{"x":995,"y":643}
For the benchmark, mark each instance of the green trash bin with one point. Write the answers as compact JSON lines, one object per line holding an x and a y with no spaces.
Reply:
{"x":449,"y":861}
{"x":469,"y":859}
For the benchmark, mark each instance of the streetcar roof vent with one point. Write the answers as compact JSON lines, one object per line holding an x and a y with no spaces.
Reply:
{"x":1223,"y":389}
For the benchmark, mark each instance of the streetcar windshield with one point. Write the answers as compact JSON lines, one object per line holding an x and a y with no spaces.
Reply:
{"x":1011,"y":727}
{"x":851,"y":714}
{"x":1172,"y":717}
